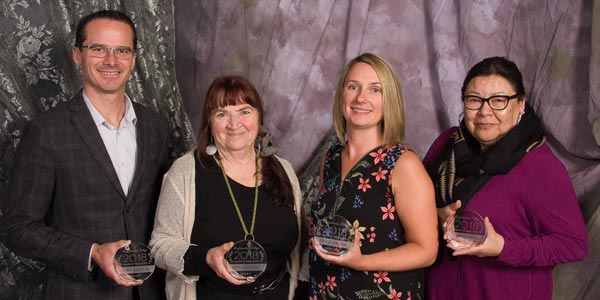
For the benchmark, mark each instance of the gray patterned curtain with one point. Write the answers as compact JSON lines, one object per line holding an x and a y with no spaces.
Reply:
{"x":293,"y":52}
{"x":37,"y":72}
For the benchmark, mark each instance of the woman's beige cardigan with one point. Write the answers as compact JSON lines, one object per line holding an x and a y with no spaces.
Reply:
{"x":174,"y":221}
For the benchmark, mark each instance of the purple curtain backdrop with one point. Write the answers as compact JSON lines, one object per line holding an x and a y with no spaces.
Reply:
{"x":293,"y":52}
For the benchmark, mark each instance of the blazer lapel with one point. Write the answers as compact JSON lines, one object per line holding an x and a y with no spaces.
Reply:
{"x":143,"y":139}
{"x":84,"y":124}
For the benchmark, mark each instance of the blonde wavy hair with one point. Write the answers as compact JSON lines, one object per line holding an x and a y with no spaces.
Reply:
{"x":392,"y":124}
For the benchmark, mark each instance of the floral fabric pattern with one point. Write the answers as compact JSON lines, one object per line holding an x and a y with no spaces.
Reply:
{"x":366,"y":199}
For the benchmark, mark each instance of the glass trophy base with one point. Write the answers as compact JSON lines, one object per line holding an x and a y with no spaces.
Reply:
{"x":134,"y":262}
{"x":335,"y":234}
{"x":246,"y":260}
{"x":465,"y":229}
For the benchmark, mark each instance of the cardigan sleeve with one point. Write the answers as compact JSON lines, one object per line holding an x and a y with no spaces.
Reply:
{"x":169,"y":241}
{"x":296,"y":271}
{"x":558,"y":230}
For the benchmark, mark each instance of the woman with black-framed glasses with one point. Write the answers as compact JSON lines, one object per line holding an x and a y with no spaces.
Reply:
{"x":497,"y":164}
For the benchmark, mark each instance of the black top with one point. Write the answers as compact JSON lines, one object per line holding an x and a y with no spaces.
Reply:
{"x":216,"y":222}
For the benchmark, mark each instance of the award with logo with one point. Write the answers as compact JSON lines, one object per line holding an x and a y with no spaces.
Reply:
{"x":465,"y":229}
{"x":335,"y":234}
{"x":247,"y":259}
{"x":134,"y":262}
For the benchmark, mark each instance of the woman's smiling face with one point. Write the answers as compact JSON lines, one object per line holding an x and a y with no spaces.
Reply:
{"x":235,"y":127}
{"x":485,"y":124}
{"x":362,"y":97}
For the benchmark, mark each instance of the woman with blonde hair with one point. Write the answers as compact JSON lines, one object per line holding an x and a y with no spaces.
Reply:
{"x":380,"y":187}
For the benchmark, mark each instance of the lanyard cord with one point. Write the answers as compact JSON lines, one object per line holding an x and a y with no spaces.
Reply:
{"x":237,"y":208}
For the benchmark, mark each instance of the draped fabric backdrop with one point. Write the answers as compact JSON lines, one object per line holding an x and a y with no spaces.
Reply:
{"x":37,"y":72}
{"x":293,"y":51}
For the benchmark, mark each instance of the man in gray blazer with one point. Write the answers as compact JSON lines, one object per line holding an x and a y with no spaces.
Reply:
{"x":87,"y":174}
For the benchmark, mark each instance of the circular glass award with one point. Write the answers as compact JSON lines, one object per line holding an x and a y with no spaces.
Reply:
{"x":465,"y":229}
{"x":134,"y":262}
{"x":247,"y":260}
{"x":335,"y":234}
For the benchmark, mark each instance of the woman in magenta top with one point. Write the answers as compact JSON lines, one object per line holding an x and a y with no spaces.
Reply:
{"x":498,"y":164}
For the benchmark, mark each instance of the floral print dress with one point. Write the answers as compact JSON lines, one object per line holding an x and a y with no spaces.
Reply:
{"x":366,"y":200}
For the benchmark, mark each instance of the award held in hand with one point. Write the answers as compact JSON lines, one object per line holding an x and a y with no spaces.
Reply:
{"x":465,"y":229}
{"x":335,"y":234}
{"x":247,"y":259}
{"x":134,"y":262}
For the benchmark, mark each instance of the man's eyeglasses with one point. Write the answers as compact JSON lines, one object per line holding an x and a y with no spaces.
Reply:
{"x":102,"y":51}
{"x":495,"y":102}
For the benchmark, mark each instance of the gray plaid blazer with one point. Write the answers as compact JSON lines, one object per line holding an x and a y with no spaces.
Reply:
{"x":64,"y":194}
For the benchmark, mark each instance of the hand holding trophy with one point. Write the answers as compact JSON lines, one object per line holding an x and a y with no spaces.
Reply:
{"x":247,"y":259}
{"x":465,"y":229}
{"x":134,"y":262}
{"x":335,"y":234}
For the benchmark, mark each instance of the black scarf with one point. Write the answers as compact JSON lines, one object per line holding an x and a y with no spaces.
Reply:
{"x":462,"y":168}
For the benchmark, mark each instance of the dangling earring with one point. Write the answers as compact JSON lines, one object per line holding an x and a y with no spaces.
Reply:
{"x":519,"y":118}
{"x":211,"y":149}
{"x":461,"y":117}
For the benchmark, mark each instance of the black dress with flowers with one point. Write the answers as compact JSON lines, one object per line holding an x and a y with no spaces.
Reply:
{"x":366,"y":200}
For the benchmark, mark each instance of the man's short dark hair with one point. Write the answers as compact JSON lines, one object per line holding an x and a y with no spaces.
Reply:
{"x":103,"y":14}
